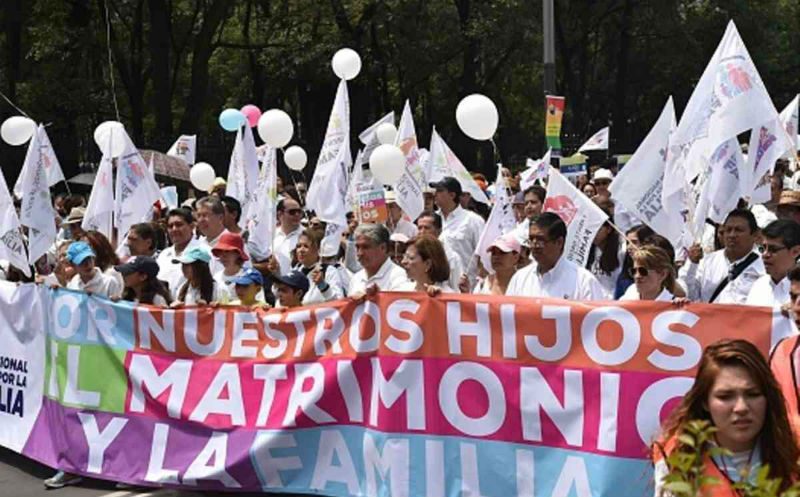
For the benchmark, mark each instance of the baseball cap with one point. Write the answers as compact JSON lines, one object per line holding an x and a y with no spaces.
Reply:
{"x":506,"y":243}
{"x":139,"y":264}
{"x":448,"y":183}
{"x":230,"y":241}
{"x":77,"y":252}
{"x":193,"y":254}
{"x":295,"y":279}
{"x":603,"y":173}
{"x":250,"y":276}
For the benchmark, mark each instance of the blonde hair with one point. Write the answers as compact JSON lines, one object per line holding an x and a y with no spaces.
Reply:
{"x":656,"y":258}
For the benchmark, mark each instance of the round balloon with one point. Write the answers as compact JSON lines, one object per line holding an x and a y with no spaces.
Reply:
{"x":346,"y":63}
{"x":295,"y":158}
{"x":17,"y":130}
{"x":386,"y":133}
{"x":477,"y":117}
{"x":202,"y":176}
{"x":231,"y":119}
{"x":387,"y":163}
{"x":275,"y":128}
{"x":110,"y":138}
{"x":251,"y":113}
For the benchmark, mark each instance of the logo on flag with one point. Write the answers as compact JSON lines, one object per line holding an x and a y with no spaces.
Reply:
{"x":734,"y":78}
{"x":561,"y":205}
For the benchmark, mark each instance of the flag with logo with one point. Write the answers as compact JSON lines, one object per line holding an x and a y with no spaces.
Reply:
{"x":410,"y":185}
{"x":554,"y":114}
{"x":789,"y":118}
{"x":136,"y":190}
{"x":719,"y":184}
{"x":443,"y":162}
{"x":37,"y":209}
{"x":768,"y":143}
{"x":12,"y":247}
{"x":50,"y":162}
{"x":536,"y":170}
{"x":261,"y":218}
{"x":184,"y":148}
{"x":501,"y":220}
{"x":598,"y":141}
{"x":243,"y":170}
{"x":100,"y":209}
{"x":582,"y":216}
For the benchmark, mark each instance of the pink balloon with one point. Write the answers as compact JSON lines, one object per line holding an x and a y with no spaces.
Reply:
{"x":252,"y":113}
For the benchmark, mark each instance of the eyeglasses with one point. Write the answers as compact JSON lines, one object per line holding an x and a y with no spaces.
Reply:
{"x":641,"y":271}
{"x":772,"y":249}
{"x":539,"y":240}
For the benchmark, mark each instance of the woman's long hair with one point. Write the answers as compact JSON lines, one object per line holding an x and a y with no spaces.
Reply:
{"x":105,"y":257}
{"x":200,"y":271}
{"x":609,"y":260}
{"x":778,"y":447}
{"x":151,"y":288}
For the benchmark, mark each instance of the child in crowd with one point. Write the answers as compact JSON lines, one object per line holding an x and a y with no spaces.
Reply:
{"x":200,"y":287}
{"x":142,"y":286}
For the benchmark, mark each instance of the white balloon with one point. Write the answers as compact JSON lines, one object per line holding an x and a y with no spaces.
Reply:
{"x":477,"y":116}
{"x":202,"y":176}
{"x":17,"y":130}
{"x":387,"y":164}
{"x":114,"y":131}
{"x":346,"y":63}
{"x":275,"y":128}
{"x":386,"y":133}
{"x":295,"y":158}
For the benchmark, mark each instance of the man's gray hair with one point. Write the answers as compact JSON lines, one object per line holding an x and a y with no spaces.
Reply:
{"x":377,"y":233}
{"x":214,"y":204}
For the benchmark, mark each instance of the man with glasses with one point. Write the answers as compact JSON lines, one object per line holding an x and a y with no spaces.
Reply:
{"x":552,"y":275}
{"x":289,"y":216}
{"x":727,"y":275}
{"x":779,"y":250}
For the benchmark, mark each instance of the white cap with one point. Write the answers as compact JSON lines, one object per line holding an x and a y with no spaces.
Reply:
{"x":603,"y":173}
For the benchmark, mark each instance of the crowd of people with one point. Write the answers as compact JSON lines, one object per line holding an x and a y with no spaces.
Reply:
{"x":199,"y":254}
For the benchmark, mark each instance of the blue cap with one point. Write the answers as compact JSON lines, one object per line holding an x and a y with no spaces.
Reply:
{"x":295,"y":279}
{"x":250,"y":277}
{"x":77,"y":252}
{"x":193,"y":254}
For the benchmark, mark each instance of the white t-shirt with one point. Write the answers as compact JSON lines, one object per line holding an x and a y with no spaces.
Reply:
{"x":220,"y":294}
{"x":390,"y":277}
{"x":633,"y":294}
{"x":767,"y":293}
{"x":172,"y":273}
{"x":566,"y":280}
{"x":461,"y":231}
{"x":101,"y":285}
{"x":702,"y":279}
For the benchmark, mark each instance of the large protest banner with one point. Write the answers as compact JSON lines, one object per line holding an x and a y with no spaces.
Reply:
{"x":401,"y":395}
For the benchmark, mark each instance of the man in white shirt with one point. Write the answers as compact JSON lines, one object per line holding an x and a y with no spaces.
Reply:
{"x":727,"y":275}
{"x":430,"y":223}
{"x":462,"y":228}
{"x":180,"y":228}
{"x":396,"y":223}
{"x":780,"y":249}
{"x":552,"y":275}
{"x":289,"y":215}
{"x":379,"y":272}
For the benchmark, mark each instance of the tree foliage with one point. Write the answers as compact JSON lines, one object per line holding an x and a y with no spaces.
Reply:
{"x":178,"y":63}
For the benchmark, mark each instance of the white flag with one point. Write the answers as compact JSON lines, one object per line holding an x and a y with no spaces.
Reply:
{"x":184,"y":148}
{"x":789,"y":118}
{"x":443,"y":162}
{"x":768,"y":143}
{"x":136,"y":190}
{"x":12,"y":248}
{"x":370,"y":139}
{"x":729,"y":99}
{"x":243,"y":170}
{"x":719,"y":185}
{"x":261,"y":218}
{"x":501,"y":220}
{"x":328,"y":189}
{"x":409,"y":187}
{"x":100,"y":209}
{"x":354,"y":180}
{"x":639,"y":184}
{"x":37,"y":209}
{"x":582,"y":216}
{"x":537,"y":169}
{"x":51,"y":165}
{"x":598,"y":141}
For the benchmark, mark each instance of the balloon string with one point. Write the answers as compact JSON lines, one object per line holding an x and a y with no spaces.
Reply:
{"x":12,"y":105}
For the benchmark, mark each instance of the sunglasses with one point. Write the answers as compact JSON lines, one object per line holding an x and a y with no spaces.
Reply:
{"x":642,"y":271}
{"x":772,"y":249}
